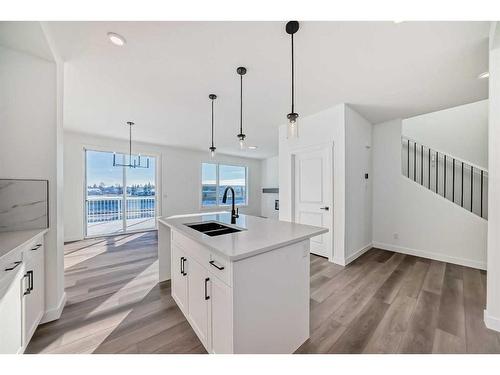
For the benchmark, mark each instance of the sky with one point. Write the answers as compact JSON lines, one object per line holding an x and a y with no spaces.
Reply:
{"x":100,"y":169}
{"x":229,"y":174}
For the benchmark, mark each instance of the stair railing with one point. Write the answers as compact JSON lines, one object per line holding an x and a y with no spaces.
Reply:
{"x":457,"y":180}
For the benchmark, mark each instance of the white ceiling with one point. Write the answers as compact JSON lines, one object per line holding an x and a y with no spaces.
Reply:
{"x":162,"y":77}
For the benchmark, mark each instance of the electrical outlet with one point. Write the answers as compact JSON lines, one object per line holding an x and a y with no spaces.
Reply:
{"x":396,"y":236}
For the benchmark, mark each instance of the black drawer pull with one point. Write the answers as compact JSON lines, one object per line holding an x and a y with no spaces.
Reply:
{"x":206,"y":287}
{"x":212,"y":262}
{"x":36,"y":247}
{"x":14,"y":266}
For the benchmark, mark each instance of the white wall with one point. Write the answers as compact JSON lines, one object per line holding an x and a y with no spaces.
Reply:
{"x":29,"y":147}
{"x":459,"y":131}
{"x":358,"y":189}
{"x":179,"y":177}
{"x":325,"y":127}
{"x":425,"y":223}
{"x":492,"y":313}
{"x":270,"y":179}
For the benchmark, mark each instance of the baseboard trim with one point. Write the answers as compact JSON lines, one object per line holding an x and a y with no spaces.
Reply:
{"x":357,"y":254}
{"x":491,"y":322}
{"x":55,"y":313}
{"x":431,"y":255}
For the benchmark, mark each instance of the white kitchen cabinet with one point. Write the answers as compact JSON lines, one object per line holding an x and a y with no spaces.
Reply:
{"x":179,"y":278}
{"x":199,"y":300}
{"x":34,"y":294}
{"x":258,"y":304}
{"x":22,"y":289}
{"x":222,"y":316}
{"x":11,"y":324}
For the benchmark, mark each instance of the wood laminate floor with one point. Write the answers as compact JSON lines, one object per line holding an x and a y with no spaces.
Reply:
{"x":383,"y":302}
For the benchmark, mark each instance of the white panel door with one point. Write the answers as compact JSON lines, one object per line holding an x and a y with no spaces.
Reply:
{"x":313,"y":195}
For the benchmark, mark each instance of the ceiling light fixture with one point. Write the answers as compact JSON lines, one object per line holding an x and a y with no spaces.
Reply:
{"x":241,"y":137}
{"x":293,"y":126}
{"x":212,"y":148}
{"x":484,"y":75}
{"x":136,"y":162}
{"x":116,"y":39}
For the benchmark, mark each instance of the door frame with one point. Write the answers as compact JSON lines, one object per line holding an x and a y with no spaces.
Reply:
{"x":330,"y":146}
{"x":121,"y":150}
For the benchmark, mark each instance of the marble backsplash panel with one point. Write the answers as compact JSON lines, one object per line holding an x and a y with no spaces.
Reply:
{"x":23,"y":204}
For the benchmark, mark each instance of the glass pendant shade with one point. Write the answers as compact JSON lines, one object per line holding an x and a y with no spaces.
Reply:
{"x":212,"y":152}
{"x":293,"y":125}
{"x":241,"y":138}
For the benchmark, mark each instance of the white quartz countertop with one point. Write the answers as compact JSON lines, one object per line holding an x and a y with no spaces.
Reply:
{"x":10,"y":241}
{"x":259,"y":235}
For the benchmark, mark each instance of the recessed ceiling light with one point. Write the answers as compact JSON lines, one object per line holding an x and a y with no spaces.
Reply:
{"x":252,"y":147}
{"x":483,"y":75}
{"x":398,"y":21}
{"x":116,"y":39}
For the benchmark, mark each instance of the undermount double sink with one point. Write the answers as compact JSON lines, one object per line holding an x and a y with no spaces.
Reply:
{"x":213,"y":228}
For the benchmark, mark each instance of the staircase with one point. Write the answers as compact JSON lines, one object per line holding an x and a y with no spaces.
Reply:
{"x":454,"y":179}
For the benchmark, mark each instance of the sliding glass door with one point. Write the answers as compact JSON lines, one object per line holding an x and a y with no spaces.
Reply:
{"x":118,"y":199}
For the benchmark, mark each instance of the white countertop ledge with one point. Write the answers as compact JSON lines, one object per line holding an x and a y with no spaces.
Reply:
{"x":10,"y":241}
{"x":259,"y":235}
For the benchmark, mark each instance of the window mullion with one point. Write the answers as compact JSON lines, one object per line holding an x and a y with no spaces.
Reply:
{"x":217,"y":180}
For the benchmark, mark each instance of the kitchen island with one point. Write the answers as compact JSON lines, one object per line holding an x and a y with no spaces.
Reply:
{"x":243,"y":286}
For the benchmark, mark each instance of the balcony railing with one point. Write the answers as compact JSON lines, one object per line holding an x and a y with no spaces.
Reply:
{"x":102,"y":209}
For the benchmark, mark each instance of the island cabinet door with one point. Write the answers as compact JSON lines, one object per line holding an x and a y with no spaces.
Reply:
{"x":222,"y":317}
{"x":199,"y":299}
{"x":179,"y":278}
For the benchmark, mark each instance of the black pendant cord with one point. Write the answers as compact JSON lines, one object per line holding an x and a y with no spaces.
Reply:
{"x":212,"y":123}
{"x":241,"y":103}
{"x":293,"y":85}
{"x":130,"y":144}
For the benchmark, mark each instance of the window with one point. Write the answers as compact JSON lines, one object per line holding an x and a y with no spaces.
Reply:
{"x":214,"y":180}
{"x":118,"y":199}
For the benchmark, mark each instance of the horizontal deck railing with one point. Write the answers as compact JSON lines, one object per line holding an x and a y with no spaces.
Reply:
{"x":102,"y":209}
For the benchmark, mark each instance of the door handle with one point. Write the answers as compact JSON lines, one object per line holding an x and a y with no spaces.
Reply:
{"x":326,"y":208}
{"x":206,"y":288}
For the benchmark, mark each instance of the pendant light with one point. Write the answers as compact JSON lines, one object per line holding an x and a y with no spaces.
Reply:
{"x":241,"y":137}
{"x":212,"y":148}
{"x":293,"y":125}
{"x":137,"y":162}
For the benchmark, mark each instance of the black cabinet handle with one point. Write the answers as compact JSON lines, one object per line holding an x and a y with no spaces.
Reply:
{"x":30,"y":274}
{"x":325,"y":208}
{"x":212,"y":262}
{"x":36,"y":247}
{"x":14,"y":266}
{"x":184,"y":273}
{"x":206,"y":288}
{"x":182,"y":266}
{"x":28,"y":289}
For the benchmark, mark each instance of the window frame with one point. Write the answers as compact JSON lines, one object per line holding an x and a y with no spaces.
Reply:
{"x":217,"y":186}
